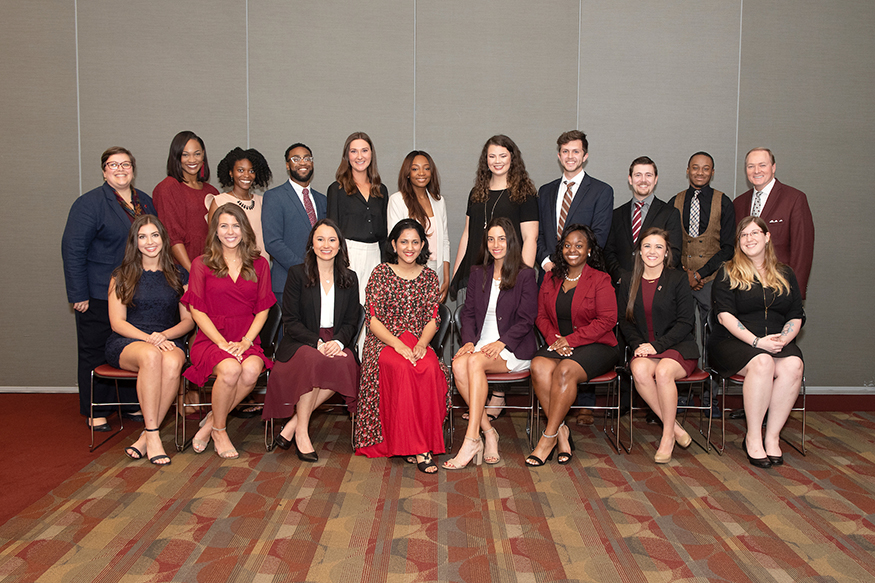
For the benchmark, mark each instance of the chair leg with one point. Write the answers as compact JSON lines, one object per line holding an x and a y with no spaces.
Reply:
{"x":268,"y":434}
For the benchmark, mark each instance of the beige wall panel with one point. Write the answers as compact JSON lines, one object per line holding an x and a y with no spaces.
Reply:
{"x":806,"y":92}
{"x":38,"y":109}
{"x":322,"y":70}
{"x":151,"y":69}
{"x":484,"y":68}
{"x":659,"y":80}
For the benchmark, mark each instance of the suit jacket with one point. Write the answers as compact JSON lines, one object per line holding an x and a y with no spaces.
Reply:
{"x":286,"y":227}
{"x":673,"y":314}
{"x":592,"y":205}
{"x":515,"y":310}
{"x":791,"y":225}
{"x":594,"y":309}
{"x":94,"y":240}
{"x":302,"y":309}
{"x":620,"y":250}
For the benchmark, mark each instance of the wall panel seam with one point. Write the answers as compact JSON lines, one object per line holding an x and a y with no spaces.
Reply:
{"x":78,"y":107}
{"x":738,"y":99}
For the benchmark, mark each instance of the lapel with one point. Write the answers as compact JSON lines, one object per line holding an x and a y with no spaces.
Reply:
{"x":626,"y":220}
{"x":117,"y":210}
{"x":772,"y":202}
{"x":583,"y":287}
{"x":296,"y":202}
{"x":655,"y":209}
{"x":582,"y":191}
{"x":552,"y":197}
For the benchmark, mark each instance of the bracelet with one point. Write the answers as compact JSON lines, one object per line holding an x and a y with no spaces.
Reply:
{"x":247,"y":339}
{"x":696,"y":276}
{"x":755,"y":340}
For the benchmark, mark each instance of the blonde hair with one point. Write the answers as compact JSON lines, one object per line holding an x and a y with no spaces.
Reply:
{"x":741,"y":271}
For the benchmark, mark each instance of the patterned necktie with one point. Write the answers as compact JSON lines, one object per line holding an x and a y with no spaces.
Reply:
{"x":308,"y":206}
{"x":566,"y":204}
{"x":694,"y":215}
{"x":636,"y":221}
{"x":757,"y":203}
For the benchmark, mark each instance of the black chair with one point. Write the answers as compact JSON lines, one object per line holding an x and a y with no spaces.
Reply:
{"x":107,"y":372}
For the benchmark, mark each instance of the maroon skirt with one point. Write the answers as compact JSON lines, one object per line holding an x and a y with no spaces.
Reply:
{"x":306,"y":370}
{"x":688,"y":364}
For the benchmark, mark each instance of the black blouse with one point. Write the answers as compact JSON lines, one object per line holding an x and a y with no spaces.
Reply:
{"x":359,"y":219}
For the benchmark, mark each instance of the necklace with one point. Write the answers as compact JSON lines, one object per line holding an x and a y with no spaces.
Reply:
{"x":244,"y":206}
{"x":495,"y":204}
{"x":573,"y":279}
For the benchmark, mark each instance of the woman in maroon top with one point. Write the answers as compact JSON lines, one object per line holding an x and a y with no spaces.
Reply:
{"x":658,"y":324}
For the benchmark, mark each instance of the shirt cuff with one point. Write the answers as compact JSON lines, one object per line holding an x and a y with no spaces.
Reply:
{"x":339,"y":343}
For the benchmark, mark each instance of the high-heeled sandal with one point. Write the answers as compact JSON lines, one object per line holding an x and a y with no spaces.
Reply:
{"x":228,"y":454}
{"x":477,"y":456}
{"x":157,"y":459}
{"x":487,"y":456}
{"x":564,"y":457}
{"x":535,"y":461}
{"x":200,"y":445}
{"x":131,"y":450}
{"x":426,"y":464}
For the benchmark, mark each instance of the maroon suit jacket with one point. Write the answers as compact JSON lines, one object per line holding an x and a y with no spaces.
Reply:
{"x":593,"y":309}
{"x":790,"y":223}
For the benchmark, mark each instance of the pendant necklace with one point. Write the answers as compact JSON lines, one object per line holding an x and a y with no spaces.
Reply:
{"x":485,"y":219}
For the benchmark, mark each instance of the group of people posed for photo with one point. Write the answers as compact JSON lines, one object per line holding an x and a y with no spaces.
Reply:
{"x":143,"y":272}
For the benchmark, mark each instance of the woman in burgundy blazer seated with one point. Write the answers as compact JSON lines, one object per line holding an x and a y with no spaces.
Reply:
{"x":658,"y":323}
{"x":577,"y":310}
{"x":497,"y":333}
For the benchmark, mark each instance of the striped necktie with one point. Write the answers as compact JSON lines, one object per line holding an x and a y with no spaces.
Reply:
{"x":636,"y":221}
{"x":566,"y":204}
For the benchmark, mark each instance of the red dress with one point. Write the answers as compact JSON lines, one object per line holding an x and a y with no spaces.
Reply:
{"x":181,"y":209}
{"x":231,"y":307}
{"x":401,"y":407}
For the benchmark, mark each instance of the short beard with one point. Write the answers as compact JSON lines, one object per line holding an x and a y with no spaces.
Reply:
{"x":297,"y":178}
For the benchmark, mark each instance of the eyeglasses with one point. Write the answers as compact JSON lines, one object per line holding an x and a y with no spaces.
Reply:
{"x":756,"y":233}
{"x":298,"y":159}
{"x":115,"y":165}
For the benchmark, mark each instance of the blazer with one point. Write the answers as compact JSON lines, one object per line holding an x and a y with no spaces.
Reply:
{"x":620,"y":250}
{"x":791,"y":225}
{"x":397,"y":210}
{"x":592,"y":205}
{"x":94,"y":240}
{"x":673,"y":314}
{"x":515,"y":310}
{"x":286,"y":226}
{"x":594,"y":309}
{"x":302,"y":309}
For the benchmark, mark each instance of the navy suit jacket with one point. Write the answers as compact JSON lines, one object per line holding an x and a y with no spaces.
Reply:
{"x":620,"y":250}
{"x":302,"y":308}
{"x":94,"y":240}
{"x":592,"y":205}
{"x":515,"y":310}
{"x":286,"y":226}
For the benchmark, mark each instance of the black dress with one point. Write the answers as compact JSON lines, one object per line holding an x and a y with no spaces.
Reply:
{"x":155,"y":308}
{"x":762,"y":311}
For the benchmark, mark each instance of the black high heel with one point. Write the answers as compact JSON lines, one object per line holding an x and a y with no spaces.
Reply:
{"x":282,"y":442}
{"x":759,"y":462}
{"x":535,"y":461}
{"x":565,"y":457}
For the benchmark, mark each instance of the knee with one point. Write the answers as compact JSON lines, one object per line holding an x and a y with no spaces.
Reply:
{"x":228,"y":371}
{"x":762,"y":364}
{"x":664,"y":376}
{"x":250,"y":372}
{"x":150,"y":358}
{"x":460,"y":368}
{"x":640,"y":370}
{"x":564,"y":376}
{"x":172,"y":363}
{"x":792,"y":368}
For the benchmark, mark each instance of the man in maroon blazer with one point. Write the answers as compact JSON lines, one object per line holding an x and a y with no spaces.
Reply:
{"x":783,"y":208}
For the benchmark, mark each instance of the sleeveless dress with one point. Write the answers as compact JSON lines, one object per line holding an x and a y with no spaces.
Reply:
{"x":155,"y":308}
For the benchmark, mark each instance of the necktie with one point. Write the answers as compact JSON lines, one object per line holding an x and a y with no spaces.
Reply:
{"x":308,"y":206}
{"x":757,"y":203}
{"x":636,"y":221}
{"x":694,"y":215}
{"x":566,"y":204}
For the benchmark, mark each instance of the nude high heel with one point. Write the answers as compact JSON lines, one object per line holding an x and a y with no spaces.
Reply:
{"x":454,"y":464}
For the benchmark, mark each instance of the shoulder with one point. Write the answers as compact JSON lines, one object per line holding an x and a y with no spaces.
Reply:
{"x":674,"y":277}
{"x":277,"y":190}
{"x":144,"y":198}
{"x":384,"y":190}
{"x":596,"y":184}
{"x":791,"y":193}
{"x":598,"y":277}
{"x":334,"y":189}
{"x":546,"y":188}
{"x":396,"y":200}
{"x":261,"y":265}
{"x":165,"y":186}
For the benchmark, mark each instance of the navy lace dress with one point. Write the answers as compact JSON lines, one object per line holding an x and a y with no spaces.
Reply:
{"x":155,"y":308}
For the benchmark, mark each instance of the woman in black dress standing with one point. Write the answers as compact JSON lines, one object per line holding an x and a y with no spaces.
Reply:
{"x":759,"y":306}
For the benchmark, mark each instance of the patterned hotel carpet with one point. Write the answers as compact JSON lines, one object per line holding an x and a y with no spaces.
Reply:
{"x":604,"y":517}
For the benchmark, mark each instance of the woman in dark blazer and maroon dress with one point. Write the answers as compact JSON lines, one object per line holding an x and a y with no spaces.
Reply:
{"x":320,"y":317}
{"x":658,"y":324}
{"x":497,"y":333}
{"x":577,"y":311}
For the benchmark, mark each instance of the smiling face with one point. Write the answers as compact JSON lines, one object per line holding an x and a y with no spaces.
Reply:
{"x":192,"y":160}
{"x":653,"y":250}
{"x":496,"y":242}
{"x":700,"y":171}
{"x":243,"y":175}
{"x":753,"y":240}
{"x":408,"y":246}
{"x":420,"y":172}
{"x":575,"y":249}
{"x":302,"y":170}
{"x":359,"y":155}
{"x":759,"y":169}
{"x":229,"y":232}
{"x":643,"y":180}
{"x":498,"y":159}
{"x":326,"y":243}
{"x":572,"y":157}
{"x":149,"y":241}
{"x":120,"y":177}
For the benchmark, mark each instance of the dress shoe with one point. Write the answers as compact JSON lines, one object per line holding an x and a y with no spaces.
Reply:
{"x":662,"y":458}
{"x":777,"y":460}
{"x":759,"y":462}
{"x":135,"y":417}
{"x":685,"y":440}
{"x":104,"y":427}
{"x":310,"y":457}
{"x":282,"y":442}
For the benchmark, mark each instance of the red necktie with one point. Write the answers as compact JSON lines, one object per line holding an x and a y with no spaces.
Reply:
{"x":308,"y":206}
{"x":636,"y":221}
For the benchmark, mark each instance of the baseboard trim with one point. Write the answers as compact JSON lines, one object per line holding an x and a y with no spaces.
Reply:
{"x":39,"y":390}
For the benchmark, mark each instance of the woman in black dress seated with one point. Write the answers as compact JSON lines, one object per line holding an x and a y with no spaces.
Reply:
{"x":577,"y":310}
{"x":759,"y":306}
{"x":320,"y":314}
{"x":497,"y":333}
{"x":658,"y":322}
{"x":148,"y":322}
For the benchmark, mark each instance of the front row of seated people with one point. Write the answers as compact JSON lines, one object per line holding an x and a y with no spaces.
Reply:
{"x":400,"y":396}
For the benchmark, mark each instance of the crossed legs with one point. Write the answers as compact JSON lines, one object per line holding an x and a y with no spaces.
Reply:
{"x":299,"y":425}
{"x":469,"y":372}
{"x":770,"y":384}
{"x":655,"y":381}
{"x":555,"y":383}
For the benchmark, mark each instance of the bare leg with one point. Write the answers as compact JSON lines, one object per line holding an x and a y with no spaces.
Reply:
{"x":757,"y":390}
{"x":234,"y":381}
{"x":470,"y":374}
{"x":785,"y":389}
{"x":304,"y":410}
{"x":556,"y":387}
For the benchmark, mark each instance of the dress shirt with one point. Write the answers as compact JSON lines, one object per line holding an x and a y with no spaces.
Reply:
{"x":727,"y":225}
{"x":326,"y":310}
{"x":576,"y":179}
{"x":644,"y":208}
{"x":299,"y":190}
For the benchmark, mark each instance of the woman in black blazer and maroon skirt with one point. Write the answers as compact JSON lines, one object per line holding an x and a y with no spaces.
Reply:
{"x":658,"y":319}
{"x":320,"y":316}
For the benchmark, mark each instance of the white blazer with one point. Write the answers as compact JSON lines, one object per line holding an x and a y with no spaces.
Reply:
{"x":398,"y":210}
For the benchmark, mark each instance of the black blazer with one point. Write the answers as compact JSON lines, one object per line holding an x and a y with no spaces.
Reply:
{"x":620,"y":250}
{"x":301,"y":310}
{"x":673,"y":315}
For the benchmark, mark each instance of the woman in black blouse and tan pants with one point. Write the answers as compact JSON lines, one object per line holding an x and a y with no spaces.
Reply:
{"x":358,"y":203}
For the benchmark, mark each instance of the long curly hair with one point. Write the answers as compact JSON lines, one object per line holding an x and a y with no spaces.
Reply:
{"x":519,"y":184}
{"x":638,"y":268}
{"x":344,"y":170}
{"x":594,"y":259}
{"x":259,"y":164}
{"x":405,"y":186}
{"x":174,"y":158}
{"x":741,"y":271}
{"x":343,"y":275}
{"x":127,"y":275}
{"x":513,"y":256}
{"x":247,"y":249}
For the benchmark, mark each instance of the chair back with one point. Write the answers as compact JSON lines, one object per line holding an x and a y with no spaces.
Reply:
{"x":358,"y":333}
{"x":270,"y":330}
{"x":440,"y":339}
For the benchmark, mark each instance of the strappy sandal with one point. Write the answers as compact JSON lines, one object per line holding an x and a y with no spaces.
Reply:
{"x":228,"y":454}
{"x":535,"y":461}
{"x":427,"y":463}
{"x":564,"y":457}
{"x":487,"y":456}
{"x":157,"y":459}
{"x":199,"y":445}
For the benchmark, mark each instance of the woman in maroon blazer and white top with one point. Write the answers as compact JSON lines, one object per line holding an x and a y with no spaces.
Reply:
{"x":577,"y":311}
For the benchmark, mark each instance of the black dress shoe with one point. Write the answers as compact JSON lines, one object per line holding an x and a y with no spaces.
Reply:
{"x":282,"y":442}
{"x":308,"y":457}
{"x":759,"y":462}
{"x":135,"y":417}
{"x":777,"y":460}
{"x":104,"y":427}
